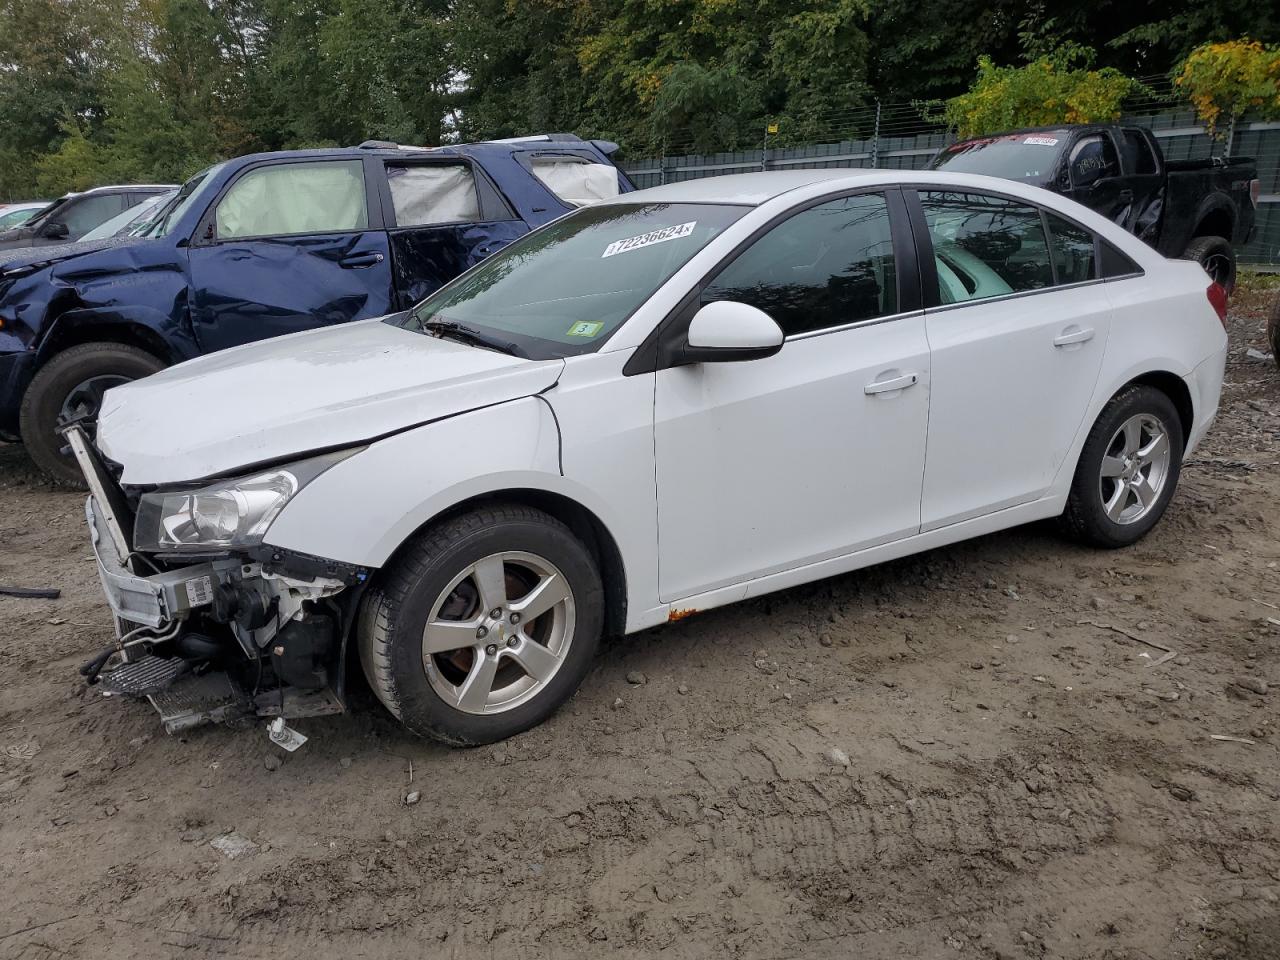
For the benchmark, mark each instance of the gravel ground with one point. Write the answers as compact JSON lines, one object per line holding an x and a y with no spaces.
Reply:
{"x":970,"y":753}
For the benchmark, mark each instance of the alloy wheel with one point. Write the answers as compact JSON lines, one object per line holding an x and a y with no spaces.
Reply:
{"x":1135,"y":469}
{"x":498,"y":633}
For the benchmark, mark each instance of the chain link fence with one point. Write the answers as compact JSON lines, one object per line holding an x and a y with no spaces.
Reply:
{"x":899,"y":137}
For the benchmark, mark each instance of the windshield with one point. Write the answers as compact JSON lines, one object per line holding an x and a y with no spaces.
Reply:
{"x":172,"y":212}
{"x":1019,"y":156}
{"x":563,"y":289}
{"x":134,"y":221}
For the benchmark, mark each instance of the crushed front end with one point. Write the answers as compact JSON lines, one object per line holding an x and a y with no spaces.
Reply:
{"x":212,"y":625}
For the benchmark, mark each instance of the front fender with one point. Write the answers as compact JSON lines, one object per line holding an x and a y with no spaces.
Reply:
{"x":168,"y":335}
{"x":361,"y":510}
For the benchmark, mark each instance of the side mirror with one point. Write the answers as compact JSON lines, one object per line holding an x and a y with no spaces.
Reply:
{"x":56,"y":230}
{"x":727,"y":330}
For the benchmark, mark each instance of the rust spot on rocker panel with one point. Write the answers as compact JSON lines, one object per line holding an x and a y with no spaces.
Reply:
{"x":675,"y":614}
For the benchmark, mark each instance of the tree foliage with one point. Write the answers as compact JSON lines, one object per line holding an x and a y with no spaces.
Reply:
{"x":95,"y":91}
{"x":1052,"y":89}
{"x":1226,"y":80}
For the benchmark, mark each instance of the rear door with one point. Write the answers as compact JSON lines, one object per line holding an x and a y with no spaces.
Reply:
{"x":443,"y":217}
{"x":1145,"y":181}
{"x":289,"y":245}
{"x":1017,"y":326}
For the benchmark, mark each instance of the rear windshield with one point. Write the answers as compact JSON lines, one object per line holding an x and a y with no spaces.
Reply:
{"x":563,"y":289}
{"x":1023,"y":156}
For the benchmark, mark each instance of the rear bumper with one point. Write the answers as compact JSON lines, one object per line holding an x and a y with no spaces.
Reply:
{"x":1205,"y":385}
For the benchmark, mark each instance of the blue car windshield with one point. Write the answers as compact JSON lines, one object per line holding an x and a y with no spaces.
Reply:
{"x":563,"y":289}
{"x":191,"y":192}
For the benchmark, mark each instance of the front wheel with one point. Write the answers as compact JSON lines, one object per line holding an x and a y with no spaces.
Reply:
{"x":1218,"y":258}
{"x":71,"y":386}
{"x":483,"y":625}
{"x":1128,"y":469}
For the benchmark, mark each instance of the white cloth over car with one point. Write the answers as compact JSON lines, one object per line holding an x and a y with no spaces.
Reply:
{"x":576,"y":181}
{"x":433,"y":193}
{"x":292,"y":198}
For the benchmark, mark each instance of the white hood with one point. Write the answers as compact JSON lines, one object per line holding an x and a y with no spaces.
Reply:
{"x":285,"y":397}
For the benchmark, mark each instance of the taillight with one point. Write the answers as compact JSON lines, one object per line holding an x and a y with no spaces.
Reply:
{"x":1255,"y":192}
{"x":1217,"y":295}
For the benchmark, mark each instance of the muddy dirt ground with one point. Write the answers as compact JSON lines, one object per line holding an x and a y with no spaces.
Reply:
{"x":1023,"y":779}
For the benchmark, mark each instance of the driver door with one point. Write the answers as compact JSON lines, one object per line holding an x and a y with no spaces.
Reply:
{"x":818,"y":450}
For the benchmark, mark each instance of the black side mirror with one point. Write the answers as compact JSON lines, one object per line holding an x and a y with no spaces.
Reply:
{"x":56,"y":230}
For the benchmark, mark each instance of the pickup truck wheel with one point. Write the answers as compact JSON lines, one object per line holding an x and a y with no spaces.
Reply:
{"x":1127,"y":471}
{"x":72,"y":384}
{"x":1218,"y":258}
{"x":483,"y":625}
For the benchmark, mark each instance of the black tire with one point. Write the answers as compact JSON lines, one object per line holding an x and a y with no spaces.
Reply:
{"x":1218,"y":258}
{"x":1085,"y":518}
{"x":394,"y":613}
{"x":53,"y":384}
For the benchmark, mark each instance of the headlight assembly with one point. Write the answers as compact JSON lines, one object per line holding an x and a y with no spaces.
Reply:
{"x":230,"y":514}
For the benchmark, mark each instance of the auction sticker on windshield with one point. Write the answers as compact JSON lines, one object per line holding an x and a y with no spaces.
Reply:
{"x":650,"y":238}
{"x":585,"y":328}
{"x":1042,"y":141}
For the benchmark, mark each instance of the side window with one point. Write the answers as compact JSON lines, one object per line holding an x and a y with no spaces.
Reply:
{"x":575,"y":180}
{"x":1138,"y":158}
{"x":289,"y":198}
{"x":985,"y":246}
{"x":1116,"y":264}
{"x":824,"y":267}
{"x":1092,"y":159}
{"x":426,"y":194}
{"x":84,"y":214}
{"x":1072,"y":247}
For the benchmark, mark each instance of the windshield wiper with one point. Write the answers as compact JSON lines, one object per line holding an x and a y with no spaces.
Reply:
{"x":451,"y":329}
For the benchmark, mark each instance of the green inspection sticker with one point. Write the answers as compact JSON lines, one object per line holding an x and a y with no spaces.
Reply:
{"x":585,"y":328}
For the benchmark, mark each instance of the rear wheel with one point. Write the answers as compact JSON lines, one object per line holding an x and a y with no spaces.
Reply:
{"x":483,"y":626}
{"x":1218,"y":258}
{"x":1128,"y":469}
{"x":71,"y":386}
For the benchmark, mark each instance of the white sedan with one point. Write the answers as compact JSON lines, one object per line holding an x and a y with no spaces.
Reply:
{"x":655,"y":405}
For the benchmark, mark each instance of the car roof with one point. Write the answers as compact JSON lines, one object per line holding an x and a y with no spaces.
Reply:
{"x":754,"y":189}
{"x":386,"y":149}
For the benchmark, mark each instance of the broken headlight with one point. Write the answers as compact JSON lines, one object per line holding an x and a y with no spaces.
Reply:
{"x":224,"y":515}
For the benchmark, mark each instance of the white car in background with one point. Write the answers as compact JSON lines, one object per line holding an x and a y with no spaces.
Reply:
{"x":16,"y":214}
{"x":655,"y":405}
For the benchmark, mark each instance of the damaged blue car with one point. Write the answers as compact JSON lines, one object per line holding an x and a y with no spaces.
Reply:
{"x":266,"y":245}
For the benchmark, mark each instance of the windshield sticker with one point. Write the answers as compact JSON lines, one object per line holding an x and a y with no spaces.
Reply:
{"x":1042,"y":141}
{"x":585,"y":328}
{"x":649,"y":239}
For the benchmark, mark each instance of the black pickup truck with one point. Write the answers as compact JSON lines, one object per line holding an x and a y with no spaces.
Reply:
{"x":1193,"y":209}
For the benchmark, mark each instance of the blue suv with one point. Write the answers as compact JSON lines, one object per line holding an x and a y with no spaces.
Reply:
{"x":265,"y":245}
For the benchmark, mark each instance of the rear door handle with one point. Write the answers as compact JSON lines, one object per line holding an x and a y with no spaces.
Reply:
{"x":893,"y":383}
{"x":360,"y":260}
{"x":1069,"y":336}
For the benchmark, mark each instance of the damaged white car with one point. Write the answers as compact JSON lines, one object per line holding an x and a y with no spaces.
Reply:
{"x":655,"y":405}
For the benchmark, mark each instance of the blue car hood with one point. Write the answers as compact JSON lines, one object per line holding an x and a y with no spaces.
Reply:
{"x":23,"y":259}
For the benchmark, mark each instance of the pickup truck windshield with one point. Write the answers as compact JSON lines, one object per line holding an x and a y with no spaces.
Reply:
{"x":564,"y":289}
{"x":1031,"y":157}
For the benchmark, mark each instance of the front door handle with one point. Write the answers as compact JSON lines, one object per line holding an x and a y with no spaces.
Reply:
{"x":892,"y":383}
{"x":1070,"y":336}
{"x":359,"y":260}
{"x":1126,"y":196}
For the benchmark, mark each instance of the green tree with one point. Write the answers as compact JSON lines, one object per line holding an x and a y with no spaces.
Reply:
{"x":1057,"y":88}
{"x":1227,"y":80}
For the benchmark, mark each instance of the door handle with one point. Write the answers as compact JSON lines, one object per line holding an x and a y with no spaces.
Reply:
{"x":360,"y":260}
{"x":893,"y":383}
{"x":1126,"y":196}
{"x":1069,"y":337}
